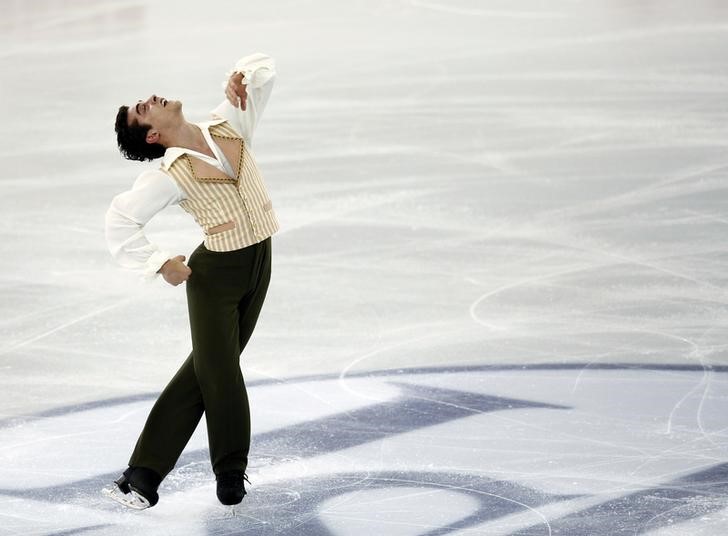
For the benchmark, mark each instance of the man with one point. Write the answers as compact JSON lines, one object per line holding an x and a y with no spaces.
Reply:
{"x":209,"y":170}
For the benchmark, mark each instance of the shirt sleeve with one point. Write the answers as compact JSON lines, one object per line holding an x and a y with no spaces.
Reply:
{"x":259,"y":73}
{"x":127,"y":215}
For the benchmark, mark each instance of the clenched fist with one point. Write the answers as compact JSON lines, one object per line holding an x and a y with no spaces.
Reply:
{"x":175,"y":271}
{"x":236,"y":91}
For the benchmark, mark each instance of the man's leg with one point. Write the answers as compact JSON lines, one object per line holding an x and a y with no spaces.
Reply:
{"x":172,"y":420}
{"x":171,"y":423}
{"x":219,"y":281}
{"x":250,"y":306}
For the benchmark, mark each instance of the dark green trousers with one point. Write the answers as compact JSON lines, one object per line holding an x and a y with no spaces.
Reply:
{"x":225,"y":293}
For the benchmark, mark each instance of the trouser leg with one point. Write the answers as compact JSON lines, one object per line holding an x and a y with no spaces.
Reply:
{"x":225,"y":296}
{"x":170,"y":423}
{"x":251,"y":304}
{"x":229,"y":446}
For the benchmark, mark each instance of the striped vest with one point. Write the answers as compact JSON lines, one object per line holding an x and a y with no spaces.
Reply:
{"x":234,"y":212}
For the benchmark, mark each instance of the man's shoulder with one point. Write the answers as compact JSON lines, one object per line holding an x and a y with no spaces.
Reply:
{"x":149,"y":176}
{"x":220,"y":126}
{"x":171,"y":155}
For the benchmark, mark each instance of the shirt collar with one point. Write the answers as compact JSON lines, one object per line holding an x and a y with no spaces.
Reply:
{"x":173,"y":153}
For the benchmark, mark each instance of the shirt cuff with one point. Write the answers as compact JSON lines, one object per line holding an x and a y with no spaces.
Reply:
{"x":247,"y":76}
{"x":154,"y":263}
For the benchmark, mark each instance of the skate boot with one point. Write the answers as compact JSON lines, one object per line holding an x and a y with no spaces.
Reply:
{"x":231,"y":487}
{"x":135,"y":488}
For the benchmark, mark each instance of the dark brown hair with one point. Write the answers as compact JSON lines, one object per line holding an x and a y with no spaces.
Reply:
{"x":132,"y":139}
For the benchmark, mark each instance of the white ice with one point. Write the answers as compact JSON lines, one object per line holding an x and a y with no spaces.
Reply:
{"x":535,"y":187}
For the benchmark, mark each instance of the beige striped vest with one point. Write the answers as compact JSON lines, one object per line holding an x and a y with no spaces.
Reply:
{"x":234,"y":212}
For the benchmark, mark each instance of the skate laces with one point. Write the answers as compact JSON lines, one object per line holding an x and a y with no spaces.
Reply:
{"x":233,"y":479}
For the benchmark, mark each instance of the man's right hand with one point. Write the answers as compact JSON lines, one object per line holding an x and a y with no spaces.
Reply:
{"x":175,"y":271}
{"x":236,"y":90}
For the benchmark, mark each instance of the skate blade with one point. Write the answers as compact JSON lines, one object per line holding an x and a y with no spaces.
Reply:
{"x":130,"y":500}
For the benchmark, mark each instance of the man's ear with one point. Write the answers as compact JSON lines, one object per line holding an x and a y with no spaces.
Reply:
{"x":152,"y":136}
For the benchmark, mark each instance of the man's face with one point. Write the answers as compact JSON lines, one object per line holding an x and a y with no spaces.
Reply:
{"x":156,"y":112}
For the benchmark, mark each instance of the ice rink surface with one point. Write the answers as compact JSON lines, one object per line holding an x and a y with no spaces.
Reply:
{"x":498,"y":303}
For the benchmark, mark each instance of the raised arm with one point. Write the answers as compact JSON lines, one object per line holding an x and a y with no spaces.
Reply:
{"x":247,"y":89}
{"x":126,"y":217}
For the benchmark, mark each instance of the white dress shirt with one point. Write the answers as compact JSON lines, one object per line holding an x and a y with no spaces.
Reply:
{"x":154,"y":190}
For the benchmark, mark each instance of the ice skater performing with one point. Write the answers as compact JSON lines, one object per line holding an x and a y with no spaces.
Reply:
{"x":209,"y":170}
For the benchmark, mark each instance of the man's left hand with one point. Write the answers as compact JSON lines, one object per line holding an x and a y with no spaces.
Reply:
{"x":236,"y":91}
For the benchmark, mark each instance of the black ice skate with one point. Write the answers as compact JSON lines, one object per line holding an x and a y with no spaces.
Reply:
{"x":231,"y":487}
{"x":136,"y":488}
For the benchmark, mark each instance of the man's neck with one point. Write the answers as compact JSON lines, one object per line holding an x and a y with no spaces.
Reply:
{"x":188,"y":136}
